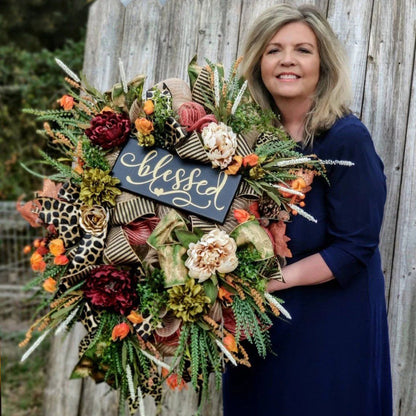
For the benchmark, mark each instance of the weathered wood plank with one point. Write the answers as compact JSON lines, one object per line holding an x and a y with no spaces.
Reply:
{"x":385,"y":107}
{"x":352,"y":30}
{"x":177,"y":38}
{"x":140,"y":39}
{"x":103,"y":43}
{"x":63,"y":396}
{"x":218,"y":31}
{"x":402,"y":299}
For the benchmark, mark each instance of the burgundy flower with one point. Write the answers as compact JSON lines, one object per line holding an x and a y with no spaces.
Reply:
{"x":109,"y":287}
{"x":109,"y":129}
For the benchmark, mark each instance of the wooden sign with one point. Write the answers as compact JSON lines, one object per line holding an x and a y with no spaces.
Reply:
{"x":166,"y":178}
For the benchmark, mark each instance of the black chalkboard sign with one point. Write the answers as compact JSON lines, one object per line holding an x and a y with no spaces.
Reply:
{"x":162,"y":176}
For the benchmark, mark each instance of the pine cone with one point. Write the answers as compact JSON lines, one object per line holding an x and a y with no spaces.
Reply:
{"x":268,"y":208}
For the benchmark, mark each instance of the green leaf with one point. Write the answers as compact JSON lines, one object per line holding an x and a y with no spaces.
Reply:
{"x":186,"y":237}
{"x":211,"y":290}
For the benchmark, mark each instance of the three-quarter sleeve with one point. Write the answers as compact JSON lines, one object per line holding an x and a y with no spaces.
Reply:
{"x":355,"y":202}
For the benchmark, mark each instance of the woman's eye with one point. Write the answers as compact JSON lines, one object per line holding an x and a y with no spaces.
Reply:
{"x":304,"y":50}
{"x":271,"y":51}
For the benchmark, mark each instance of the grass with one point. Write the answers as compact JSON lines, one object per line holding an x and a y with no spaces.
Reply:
{"x":22,"y":384}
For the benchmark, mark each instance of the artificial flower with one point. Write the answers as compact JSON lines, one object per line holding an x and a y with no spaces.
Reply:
{"x":144,"y":126}
{"x":37,"y":263}
{"x":214,"y":252}
{"x":230,"y":343}
{"x":61,"y":260}
{"x":93,"y":220}
{"x":220,"y":142}
{"x":109,"y":129}
{"x":49,"y":284}
{"x":193,"y":116}
{"x":224,"y":294}
{"x":148,"y":107}
{"x":56,"y":247}
{"x":235,"y":165}
{"x":27,"y":249}
{"x":42,"y":250}
{"x":172,"y":381}
{"x":120,"y":331}
{"x":147,"y":140}
{"x":250,"y":160}
{"x":67,"y":102}
{"x":109,"y":287}
{"x":241,"y":215}
{"x":189,"y":113}
{"x":135,"y":318}
{"x":188,"y":302}
{"x":98,"y":187}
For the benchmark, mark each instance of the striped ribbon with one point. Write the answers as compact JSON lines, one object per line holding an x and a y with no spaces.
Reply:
{"x":118,"y":249}
{"x":129,"y":210}
{"x":192,"y":148}
{"x":203,"y":90}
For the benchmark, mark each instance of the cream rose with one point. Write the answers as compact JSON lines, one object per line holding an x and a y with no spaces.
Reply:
{"x":215,"y":251}
{"x":93,"y":219}
{"x":220,"y":142}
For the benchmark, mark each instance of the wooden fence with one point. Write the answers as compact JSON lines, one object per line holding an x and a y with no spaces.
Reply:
{"x":159,"y":38}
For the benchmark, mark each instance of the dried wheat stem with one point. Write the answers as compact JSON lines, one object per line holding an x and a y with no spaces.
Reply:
{"x":258,"y":299}
{"x":72,"y":83}
{"x":48,"y":130}
{"x":210,"y":321}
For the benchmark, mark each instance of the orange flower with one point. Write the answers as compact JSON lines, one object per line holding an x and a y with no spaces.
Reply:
{"x":241,"y":215}
{"x":49,"y":285}
{"x":235,"y":165}
{"x":27,"y":249}
{"x":224,"y":294}
{"x":250,"y":160}
{"x":172,"y":381}
{"x":61,"y":260}
{"x":37,"y":242}
{"x":297,"y":184}
{"x":37,"y":263}
{"x":148,"y":107}
{"x":67,"y":102}
{"x":144,"y":126}
{"x":230,"y":343}
{"x":56,"y":247}
{"x":135,"y":317}
{"x":120,"y":331}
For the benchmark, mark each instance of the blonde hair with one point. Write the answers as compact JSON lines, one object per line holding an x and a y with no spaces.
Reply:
{"x":333,"y":92}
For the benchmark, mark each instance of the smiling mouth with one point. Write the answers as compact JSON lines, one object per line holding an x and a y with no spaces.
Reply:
{"x":288,"y":76}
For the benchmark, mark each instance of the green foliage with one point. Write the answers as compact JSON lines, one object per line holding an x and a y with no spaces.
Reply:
{"x":251,"y":322}
{"x":249,"y":267}
{"x":152,"y":293}
{"x":30,"y":78}
{"x":163,"y":110}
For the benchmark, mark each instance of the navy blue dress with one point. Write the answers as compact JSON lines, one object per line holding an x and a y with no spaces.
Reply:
{"x":332,"y":359}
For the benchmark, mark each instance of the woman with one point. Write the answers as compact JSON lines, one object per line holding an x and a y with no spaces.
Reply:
{"x":332,"y":359}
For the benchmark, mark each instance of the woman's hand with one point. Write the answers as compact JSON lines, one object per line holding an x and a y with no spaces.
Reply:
{"x":311,"y":270}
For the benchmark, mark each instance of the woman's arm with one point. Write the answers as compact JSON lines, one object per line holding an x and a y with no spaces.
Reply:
{"x":311,"y":270}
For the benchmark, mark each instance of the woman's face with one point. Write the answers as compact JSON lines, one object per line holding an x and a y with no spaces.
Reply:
{"x":290,"y":64}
